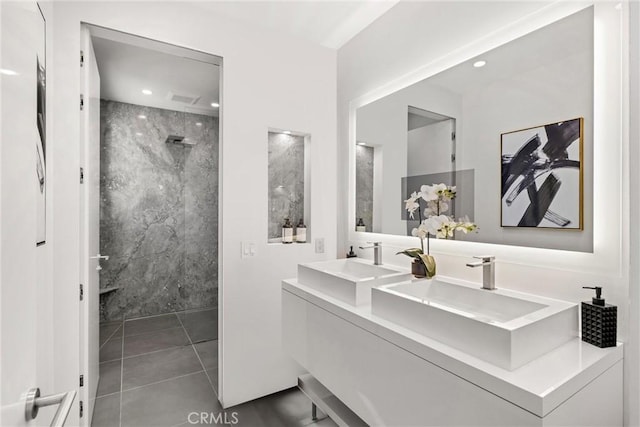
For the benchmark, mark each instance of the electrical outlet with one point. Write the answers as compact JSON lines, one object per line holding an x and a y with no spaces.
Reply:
{"x":319,"y":245}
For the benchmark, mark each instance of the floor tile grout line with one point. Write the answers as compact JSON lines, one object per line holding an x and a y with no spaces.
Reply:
{"x":199,"y":359}
{"x":176,"y":313}
{"x":173,"y":347}
{"x":162,"y":381}
{"x":112,"y":334}
{"x":106,"y":395}
{"x":149,"y":332}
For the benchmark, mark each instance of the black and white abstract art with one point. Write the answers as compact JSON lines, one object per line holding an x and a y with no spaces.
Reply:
{"x":542,"y":176}
{"x":40,"y":140}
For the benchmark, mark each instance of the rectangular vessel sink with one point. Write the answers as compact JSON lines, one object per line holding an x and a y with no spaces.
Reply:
{"x":349,"y":280}
{"x":505,"y":328}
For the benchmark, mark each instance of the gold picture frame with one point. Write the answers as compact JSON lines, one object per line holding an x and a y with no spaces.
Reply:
{"x":542,"y":176}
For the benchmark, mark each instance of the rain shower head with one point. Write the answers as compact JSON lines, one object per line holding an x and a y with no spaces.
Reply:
{"x":179,"y":140}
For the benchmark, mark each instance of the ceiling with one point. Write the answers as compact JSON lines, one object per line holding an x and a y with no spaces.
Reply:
{"x":125,"y":70}
{"x":329,"y":23}
{"x":129,"y":64}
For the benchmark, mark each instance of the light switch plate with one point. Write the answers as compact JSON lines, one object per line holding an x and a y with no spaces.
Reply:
{"x":248,"y":249}
{"x":320,"y":245}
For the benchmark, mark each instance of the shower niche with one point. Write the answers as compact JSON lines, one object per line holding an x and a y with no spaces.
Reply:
{"x":289,"y":184}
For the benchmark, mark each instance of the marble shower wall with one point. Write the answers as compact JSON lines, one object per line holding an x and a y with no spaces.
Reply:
{"x":286,"y":181}
{"x":364,"y":185}
{"x":158,"y":211}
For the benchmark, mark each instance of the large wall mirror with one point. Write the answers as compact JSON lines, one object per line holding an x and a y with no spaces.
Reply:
{"x":512,"y":129}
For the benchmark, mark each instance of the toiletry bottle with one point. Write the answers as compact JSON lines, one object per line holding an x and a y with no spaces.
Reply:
{"x":599,"y":321}
{"x":287,"y":231}
{"x":351,"y":254}
{"x":360,"y":225}
{"x":301,"y":232}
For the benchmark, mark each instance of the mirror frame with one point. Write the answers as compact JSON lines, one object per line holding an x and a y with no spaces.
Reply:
{"x":610,"y":122}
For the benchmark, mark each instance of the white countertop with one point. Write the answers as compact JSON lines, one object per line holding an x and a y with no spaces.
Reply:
{"x":538,"y":387}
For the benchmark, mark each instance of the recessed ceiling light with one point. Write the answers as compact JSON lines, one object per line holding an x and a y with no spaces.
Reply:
{"x":142,"y":117}
{"x":479,"y":64}
{"x":147,"y":92}
{"x":215,"y":104}
{"x":8,"y":72}
{"x":287,"y":132}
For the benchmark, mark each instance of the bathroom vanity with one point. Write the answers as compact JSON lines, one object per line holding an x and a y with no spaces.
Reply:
{"x":383,"y":357}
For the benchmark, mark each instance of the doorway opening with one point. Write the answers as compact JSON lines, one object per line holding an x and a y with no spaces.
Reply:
{"x":150,"y":206}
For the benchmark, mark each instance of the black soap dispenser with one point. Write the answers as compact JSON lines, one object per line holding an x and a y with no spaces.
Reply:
{"x":351,"y":254}
{"x":599,"y":321}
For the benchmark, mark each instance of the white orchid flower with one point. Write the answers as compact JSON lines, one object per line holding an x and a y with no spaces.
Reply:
{"x":433,"y":224}
{"x":428,"y":193}
{"x":420,"y":232}
{"x":440,"y":188}
{"x":411,"y":205}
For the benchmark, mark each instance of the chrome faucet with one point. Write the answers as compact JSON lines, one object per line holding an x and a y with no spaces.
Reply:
{"x":377,"y":252}
{"x":488,"y":271}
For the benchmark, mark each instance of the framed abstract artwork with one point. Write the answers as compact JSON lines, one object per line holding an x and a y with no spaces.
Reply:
{"x":41,"y":138}
{"x":541,"y":176}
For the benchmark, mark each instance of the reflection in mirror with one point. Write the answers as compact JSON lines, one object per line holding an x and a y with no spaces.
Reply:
{"x":447,"y":129}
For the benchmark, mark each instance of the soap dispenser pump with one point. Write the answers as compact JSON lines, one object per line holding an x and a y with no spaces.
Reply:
{"x":599,"y":320}
{"x":351,"y":254}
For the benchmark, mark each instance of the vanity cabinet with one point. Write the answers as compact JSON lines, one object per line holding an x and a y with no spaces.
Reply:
{"x":391,"y":376}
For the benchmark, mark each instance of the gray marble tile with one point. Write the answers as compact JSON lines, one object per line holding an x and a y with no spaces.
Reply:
{"x":106,"y":412}
{"x":286,"y":181}
{"x":170,"y":402}
{"x":213,"y":376}
{"x":110,"y":377}
{"x":154,"y":341}
{"x":111,"y":350}
{"x":148,"y":286}
{"x":208,"y":352}
{"x":159,"y":211}
{"x":151,"y":324}
{"x":201,"y":325}
{"x":161,"y":365}
{"x":109,"y":330}
{"x":364,"y":185}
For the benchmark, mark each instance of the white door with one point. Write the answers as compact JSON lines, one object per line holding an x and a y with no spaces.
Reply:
{"x":23,"y":174}
{"x":90,"y":257}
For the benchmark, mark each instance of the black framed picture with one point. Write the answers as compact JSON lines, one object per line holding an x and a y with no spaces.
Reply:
{"x":541,"y":177}
{"x":41,"y":140}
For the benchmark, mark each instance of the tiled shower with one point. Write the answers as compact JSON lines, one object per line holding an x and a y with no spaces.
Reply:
{"x":158,"y":296}
{"x":158,"y":211}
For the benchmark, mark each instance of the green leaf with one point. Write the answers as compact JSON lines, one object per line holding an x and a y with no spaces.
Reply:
{"x":412,"y":252}
{"x":430,"y":263}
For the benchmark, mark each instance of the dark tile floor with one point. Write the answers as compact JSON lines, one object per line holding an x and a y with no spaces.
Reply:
{"x":156,"y":371}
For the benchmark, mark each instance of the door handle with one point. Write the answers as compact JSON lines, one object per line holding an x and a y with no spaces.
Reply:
{"x":34,"y":402}
{"x":99,"y":257}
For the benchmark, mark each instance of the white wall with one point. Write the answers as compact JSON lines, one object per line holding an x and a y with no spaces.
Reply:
{"x":269,"y":80}
{"x":416,"y":40}
{"x":632,"y":367}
